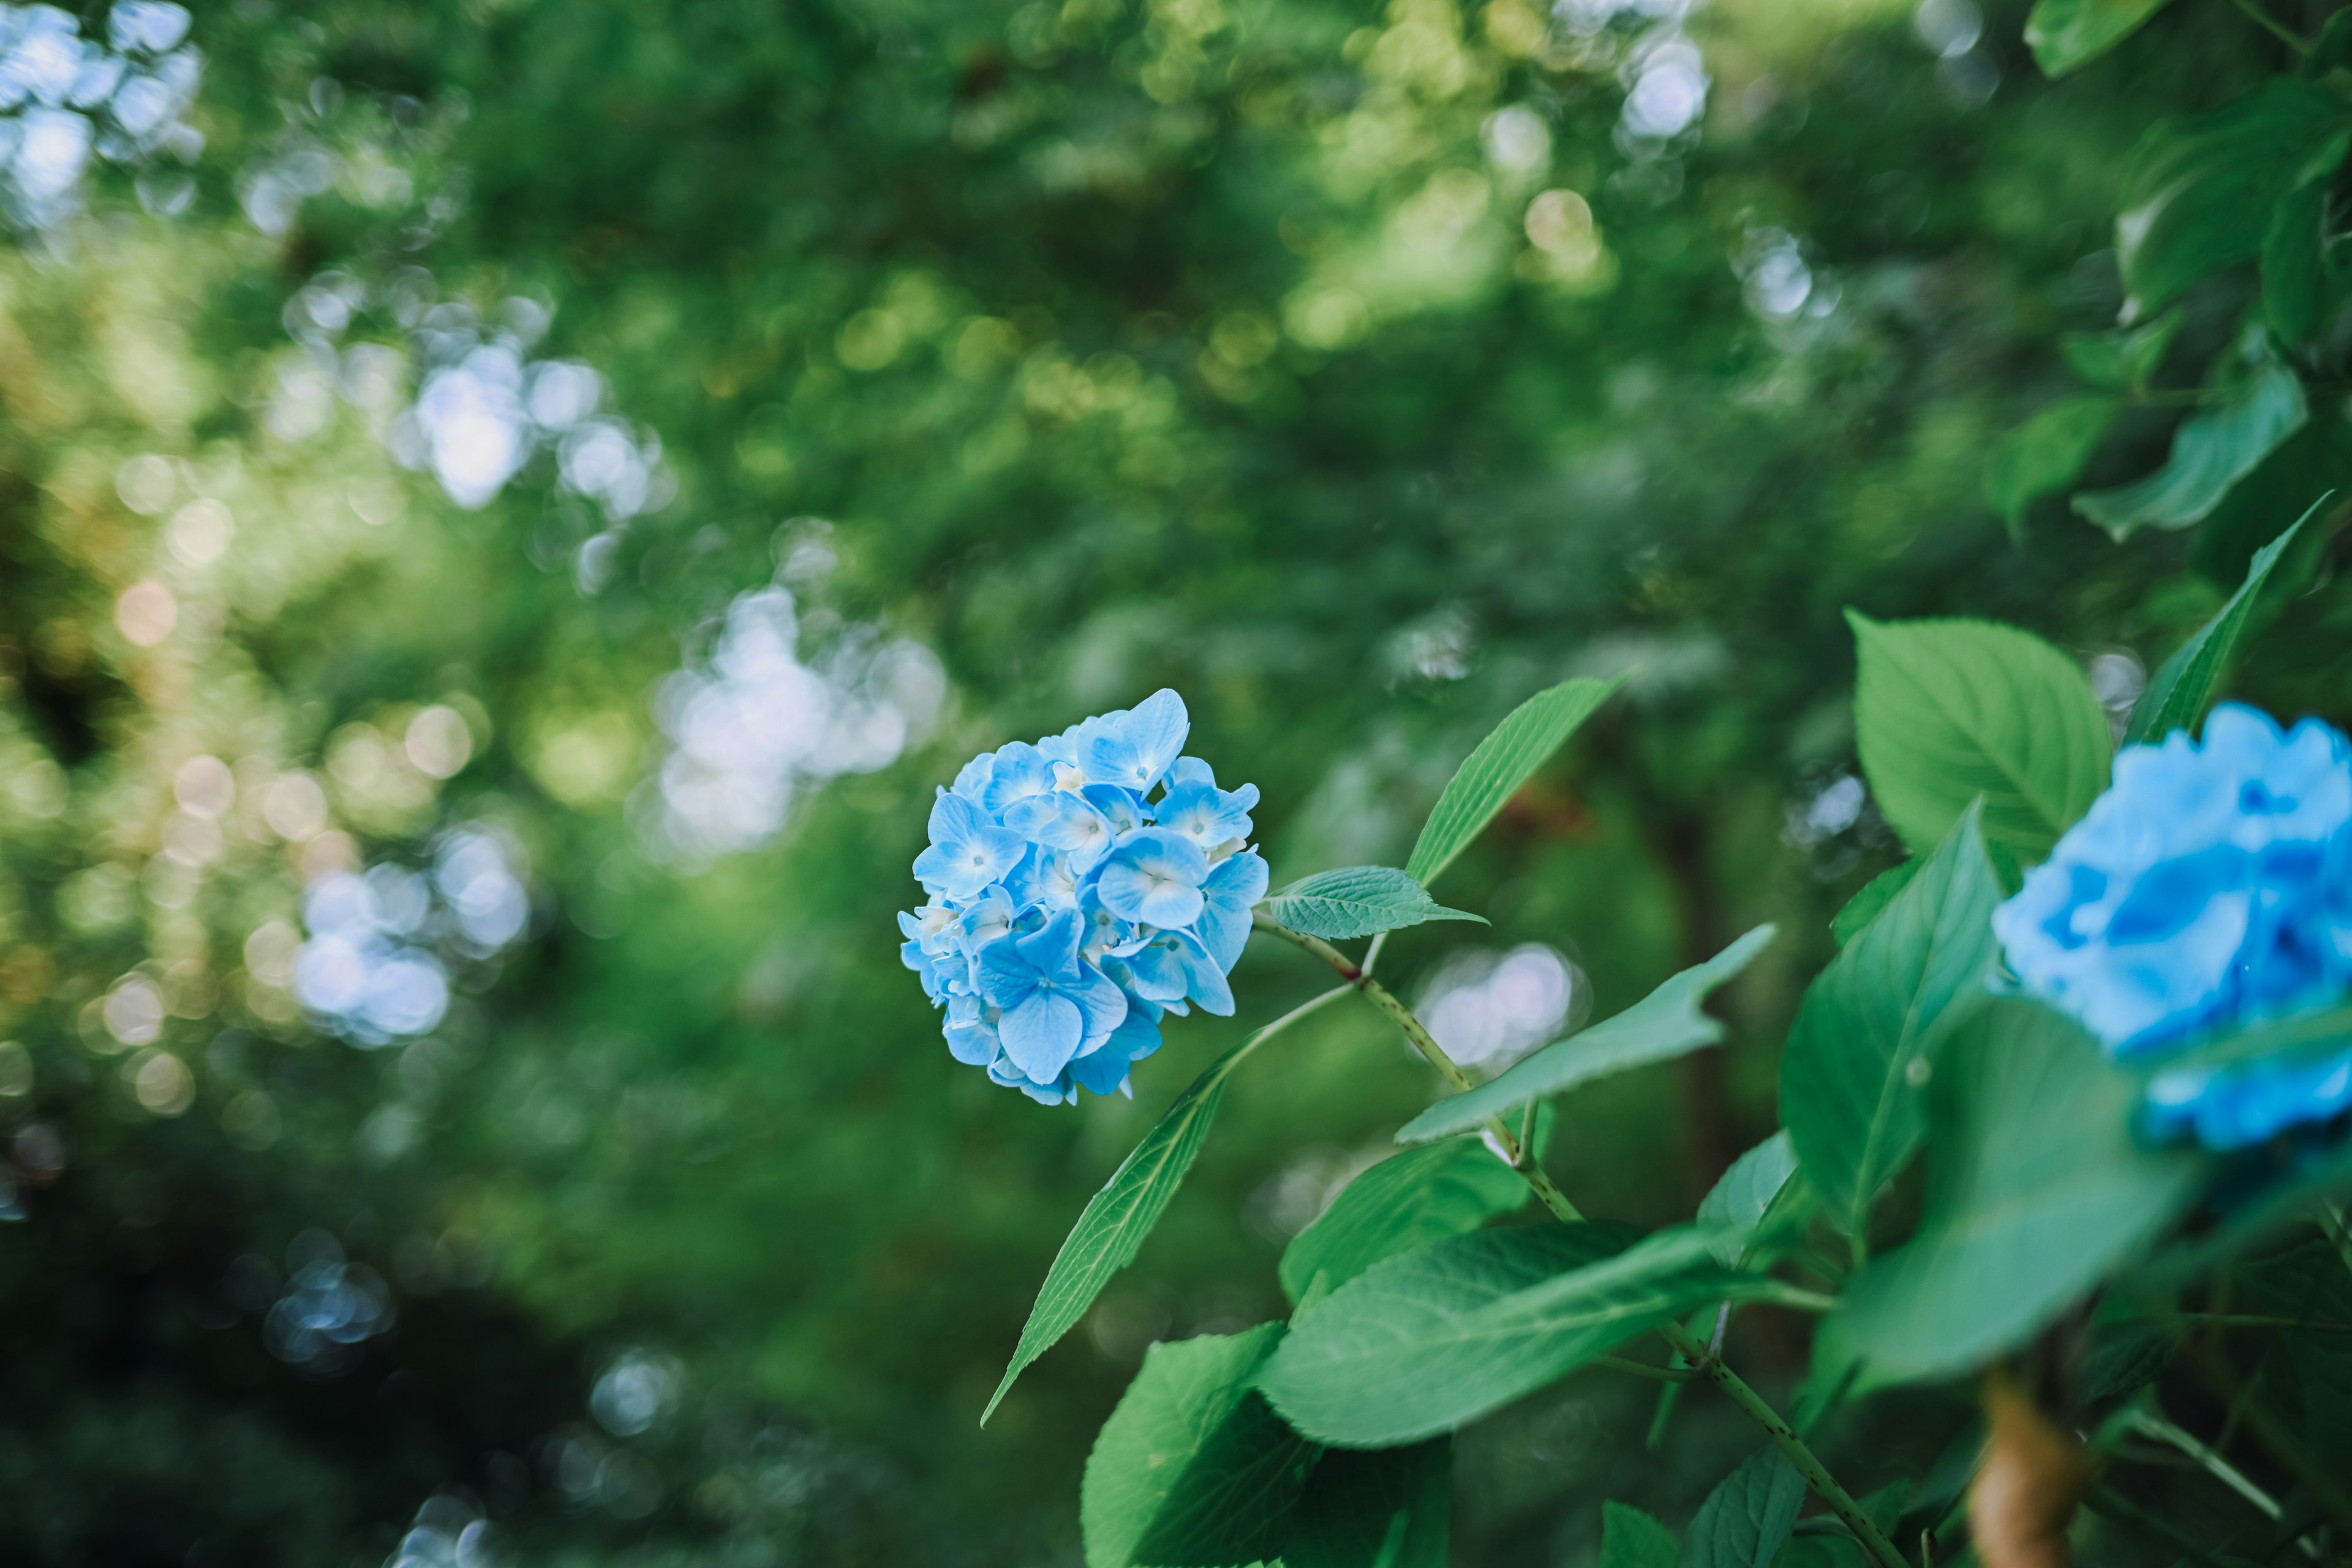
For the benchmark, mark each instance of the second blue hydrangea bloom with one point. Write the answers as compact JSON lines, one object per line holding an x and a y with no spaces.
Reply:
{"x":2209,"y":889}
{"x":1080,"y":888}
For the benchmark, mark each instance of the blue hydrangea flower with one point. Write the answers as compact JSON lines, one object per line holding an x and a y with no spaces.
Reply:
{"x":2209,"y":889}
{"x":1082,"y":888}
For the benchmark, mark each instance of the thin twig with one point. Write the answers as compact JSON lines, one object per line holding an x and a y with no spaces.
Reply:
{"x":2276,"y":28}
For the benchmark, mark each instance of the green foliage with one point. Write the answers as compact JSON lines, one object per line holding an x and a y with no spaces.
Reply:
{"x":1664,"y":1024}
{"x":2067,"y":35}
{"x":1746,"y":1520}
{"x":2199,"y":192}
{"x":1192,"y":1468}
{"x":1858,"y":1052}
{"x":1357,"y":901}
{"x":2259,"y":405}
{"x":1492,"y":772}
{"x":2126,"y":359}
{"x":2036,"y":1191}
{"x":1341,"y":367}
{"x":1374,"y":1508}
{"x":2184,"y":685}
{"x":1403,"y":1203}
{"x":1871,"y":900}
{"x":2046,"y":454}
{"x":1946,"y":712}
{"x":1739,"y":1203}
{"x":1632,"y":1539}
{"x":2294,"y":261}
{"x":1424,"y":1343}
{"x":2312,"y":1283}
{"x":1117,"y":1219}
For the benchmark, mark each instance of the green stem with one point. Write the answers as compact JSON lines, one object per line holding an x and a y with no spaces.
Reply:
{"x":1517,"y":1153}
{"x":1644,"y":1369}
{"x":2276,"y":28}
{"x":1707,"y":1364}
{"x":2228,"y":1474}
{"x":2273,"y":1434}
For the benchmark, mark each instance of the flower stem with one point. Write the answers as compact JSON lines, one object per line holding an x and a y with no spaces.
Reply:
{"x":1706,"y":1362}
{"x":1518,"y":1154}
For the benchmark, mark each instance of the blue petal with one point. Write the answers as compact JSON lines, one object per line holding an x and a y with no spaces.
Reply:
{"x":1042,"y":1034}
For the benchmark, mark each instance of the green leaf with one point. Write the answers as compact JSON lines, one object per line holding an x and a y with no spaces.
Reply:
{"x":1871,"y":902}
{"x":2212,"y":449}
{"x":1192,"y":1467}
{"x":1664,"y":1024}
{"x":2036,"y":1190}
{"x":2067,"y":35}
{"x":2311,"y":1284}
{"x":1491,"y":775}
{"x":1424,"y":1343}
{"x":1111,"y":1230}
{"x":1632,"y":1539}
{"x":1357,"y":901}
{"x":1406,"y":1201}
{"x":2197,"y":192}
{"x":2182,"y":687}
{"x":2333,"y":50}
{"x":2125,"y":359}
{"x":2045,"y":454}
{"x":1946,"y":712}
{"x":2294,"y":261}
{"x":1747,"y":1518}
{"x":1736,"y":1205}
{"x":1836,"y":1374}
{"x":1375,"y":1507}
{"x":1856,"y":1053}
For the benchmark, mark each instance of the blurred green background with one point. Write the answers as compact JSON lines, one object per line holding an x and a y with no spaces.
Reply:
{"x":594,"y":467}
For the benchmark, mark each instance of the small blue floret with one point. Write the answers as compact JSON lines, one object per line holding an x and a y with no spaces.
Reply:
{"x":1069,"y":910}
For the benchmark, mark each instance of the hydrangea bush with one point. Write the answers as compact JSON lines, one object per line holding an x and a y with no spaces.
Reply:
{"x":2104,"y":999}
{"x":1081,"y":889}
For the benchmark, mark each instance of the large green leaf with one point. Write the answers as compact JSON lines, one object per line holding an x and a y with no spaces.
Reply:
{"x":2036,"y":1191}
{"x":1736,"y":1205}
{"x":1632,"y":1539}
{"x":2197,"y":193}
{"x":2294,"y":272}
{"x":1424,"y":1343}
{"x":2182,"y":687}
{"x":1406,"y":1201}
{"x":1375,"y":1507}
{"x":1111,"y":1230}
{"x":2260,"y":405}
{"x":2126,"y":359}
{"x":1747,"y":1518}
{"x":1856,"y":1053}
{"x":1192,"y":1468}
{"x":1946,"y":712}
{"x":2046,"y":453}
{"x":1492,"y":773}
{"x":1667,"y":1023}
{"x":2067,"y":35}
{"x":1357,"y":901}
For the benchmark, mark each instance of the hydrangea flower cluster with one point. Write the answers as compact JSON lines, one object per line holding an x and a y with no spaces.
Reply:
{"x":2209,"y":889}
{"x":1069,"y":910}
